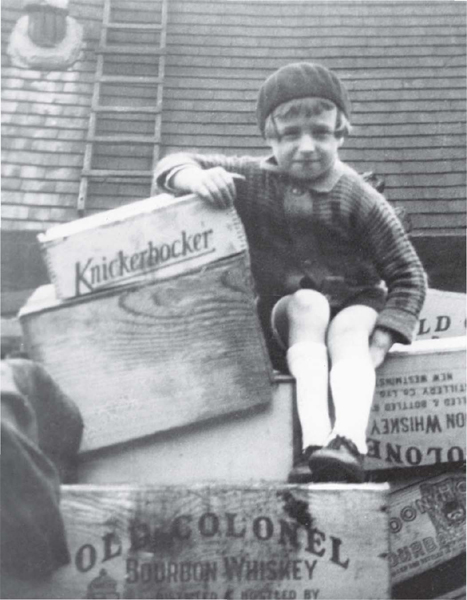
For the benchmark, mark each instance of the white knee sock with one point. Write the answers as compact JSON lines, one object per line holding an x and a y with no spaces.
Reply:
{"x":308,"y":363}
{"x":353,"y":387}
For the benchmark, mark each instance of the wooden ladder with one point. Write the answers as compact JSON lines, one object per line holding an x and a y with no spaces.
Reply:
{"x":121,"y":42}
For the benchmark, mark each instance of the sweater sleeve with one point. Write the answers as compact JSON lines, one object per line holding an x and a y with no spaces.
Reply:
{"x":398,"y":266}
{"x":170,"y":165}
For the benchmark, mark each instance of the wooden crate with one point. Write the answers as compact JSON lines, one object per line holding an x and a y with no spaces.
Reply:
{"x":262,"y":541}
{"x":418,"y":413}
{"x":151,"y":358}
{"x":251,"y":446}
{"x":427,"y":524}
{"x":152,"y":239}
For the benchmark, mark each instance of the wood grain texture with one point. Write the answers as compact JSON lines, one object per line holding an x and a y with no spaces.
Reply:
{"x":241,"y":448}
{"x":224,"y":542}
{"x":151,"y":358}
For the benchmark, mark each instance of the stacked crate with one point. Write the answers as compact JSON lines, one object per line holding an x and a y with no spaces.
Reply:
{"x":416,"y":442}
{"x":150,"y":323}
{"x":150,"y":326}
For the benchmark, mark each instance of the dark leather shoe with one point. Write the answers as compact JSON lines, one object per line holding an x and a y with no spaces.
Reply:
{"x":339,"y":461}
{"x":305,"y":456}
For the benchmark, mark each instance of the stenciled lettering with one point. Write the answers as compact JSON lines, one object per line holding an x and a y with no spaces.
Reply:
{"x":396,"y":425}
{"x":92,"y":274}
{"x":412,"y":455}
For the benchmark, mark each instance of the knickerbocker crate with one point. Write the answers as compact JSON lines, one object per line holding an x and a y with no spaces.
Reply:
{"x":427,"y":524}
{"x":151,"y":239}
{"x":153,"y":357}
{"x":258,"y":541}
{"x":418,"y":413}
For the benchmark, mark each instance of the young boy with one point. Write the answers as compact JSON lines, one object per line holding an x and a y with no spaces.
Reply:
{"x":334,"y":270}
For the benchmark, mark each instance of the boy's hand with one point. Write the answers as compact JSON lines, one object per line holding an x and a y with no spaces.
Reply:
{"x":380,"y":344}
{"x":216,"y":185}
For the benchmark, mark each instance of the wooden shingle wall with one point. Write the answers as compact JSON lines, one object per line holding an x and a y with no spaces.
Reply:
{"x":44,"y":124}
{"x":404,"y":65}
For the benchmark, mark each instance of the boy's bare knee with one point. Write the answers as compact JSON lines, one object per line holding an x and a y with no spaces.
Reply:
{"x":353,"y":321}
{"x":310,"y":305}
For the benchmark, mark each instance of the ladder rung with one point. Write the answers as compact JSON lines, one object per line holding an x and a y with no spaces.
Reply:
{"x":116,"y":139}
{"x":115,"y":173}
{"x":136,"y":26}
{"x":151,"y":50}
{"x":129,"y":79}
{"x":127,"y":109}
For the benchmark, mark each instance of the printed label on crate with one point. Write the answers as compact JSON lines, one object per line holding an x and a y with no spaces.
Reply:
{"x":156,"y":240}
{"x":260,"y":541}
{"x":427,"y":525}
{"x":418,"y":413}
{"x":443,"y":315}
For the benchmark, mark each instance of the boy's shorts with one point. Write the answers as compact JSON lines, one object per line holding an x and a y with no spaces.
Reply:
{"x":269,"y":313}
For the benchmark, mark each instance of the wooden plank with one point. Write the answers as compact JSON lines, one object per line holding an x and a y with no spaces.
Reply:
{"x":307,"y":26}
{"x":427,"y":221}
{"x":317,"y":9}
{"x":252,"y":446}
{"x":290,"y":47}
{"x":309,"y":15}
{"x":418,"y":413}
{"x":365,"y":74}
{"x":431,"y":193}
{"x":427,"y":524}
{"x":298,"y":7}
{"x":149,"y":358}
{"x":412,"y":43}
{"x":129,"y":79}
{"x":135,"y":26}
{"x":127,"y":109}
{"x":123,"y":174}
{"x":119,"y":139}
{"x":151,"y":239}
{"x":432,"y":62}
{"x":434,"y":206}
{"x":256,"y":541}
{"x":127,"y":49}
{"x":356,"y":85}
{"x":121,"y":94}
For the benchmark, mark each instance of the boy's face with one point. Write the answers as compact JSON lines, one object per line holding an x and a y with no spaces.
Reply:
{"x":305,"y":146}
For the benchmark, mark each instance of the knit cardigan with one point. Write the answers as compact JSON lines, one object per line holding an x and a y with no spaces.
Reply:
{"x":338,"y":232}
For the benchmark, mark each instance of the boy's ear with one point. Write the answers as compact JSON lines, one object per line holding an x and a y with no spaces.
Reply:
{"x":340,"y":141}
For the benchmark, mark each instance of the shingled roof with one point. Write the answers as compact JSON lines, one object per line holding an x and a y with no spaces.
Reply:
{"x":403,"y":63}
